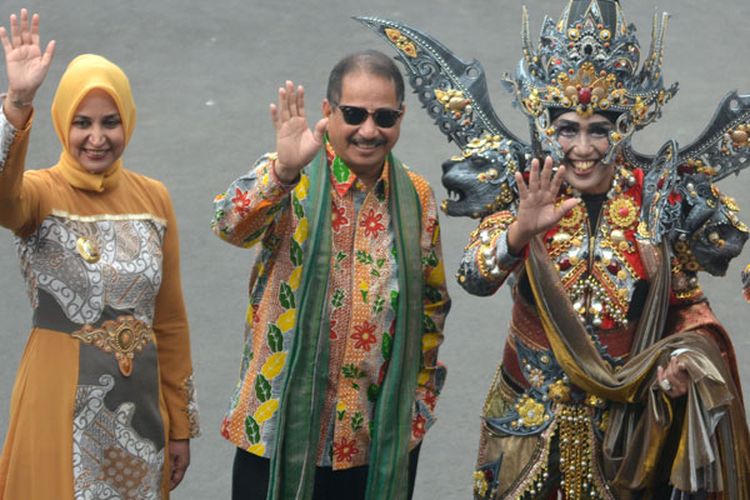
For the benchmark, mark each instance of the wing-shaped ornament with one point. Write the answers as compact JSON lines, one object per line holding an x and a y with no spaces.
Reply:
{"x":723,"y":148}
{"x":453,"y":92}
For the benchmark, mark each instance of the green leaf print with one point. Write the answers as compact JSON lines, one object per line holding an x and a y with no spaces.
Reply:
{"x":351,"y":371}
{"x":298,"y":210}
{"x":286,"y":296}
{"x":339,"y":257}
{"x":380,"y":262}
{"x":374,"y":272}
{"x":394,"y":299}
{"x":295,"y":253}
{"x":338,"y":298}
{"x":430,"y":260}
{"x":372,"y":392}
{"x":387,"y":346}
{"x":252,"y":429}
{"x":275,"y":338}
{"x":262,"y":388}
{"x":364,"y":257}
{"x":357,"y":421}
{"x":340,"y":414}
{"x":340,"y":171}
{"x":433,"y":294}
{"x":379,"y":304}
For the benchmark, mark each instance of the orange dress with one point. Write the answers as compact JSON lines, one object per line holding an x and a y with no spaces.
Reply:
{"x":106,"y":378}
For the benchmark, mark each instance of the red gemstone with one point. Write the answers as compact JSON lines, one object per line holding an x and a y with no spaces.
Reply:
{"x":623,"y":211}
{"x":564,"y":264}
{"x":613,"y":267}
{"x":584,"y":95}
{"x":488,"y":475}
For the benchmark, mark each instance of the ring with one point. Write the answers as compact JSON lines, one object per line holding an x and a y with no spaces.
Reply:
{"x":665,"y":385}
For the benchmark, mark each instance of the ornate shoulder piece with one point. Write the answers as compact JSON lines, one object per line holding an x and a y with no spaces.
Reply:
{"x":453,"y":92}
{"x":660,"y":209}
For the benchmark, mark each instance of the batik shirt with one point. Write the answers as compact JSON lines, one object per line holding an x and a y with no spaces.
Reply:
{"x":362,"y":296}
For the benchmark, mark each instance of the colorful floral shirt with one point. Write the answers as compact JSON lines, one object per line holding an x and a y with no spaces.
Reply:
{"x":362,"y":297}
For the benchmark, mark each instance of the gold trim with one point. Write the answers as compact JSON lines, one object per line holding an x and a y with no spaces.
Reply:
{"x":124,"y":336}
{"x":108,"y":217}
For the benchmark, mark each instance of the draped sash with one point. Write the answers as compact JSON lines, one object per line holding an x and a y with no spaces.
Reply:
{"x":297,"y":435}
{"x":712,"y":428}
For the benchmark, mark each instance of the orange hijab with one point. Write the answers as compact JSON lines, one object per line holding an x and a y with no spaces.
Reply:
{"x":84,"y":74}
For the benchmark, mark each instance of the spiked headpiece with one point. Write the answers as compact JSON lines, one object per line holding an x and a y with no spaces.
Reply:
{"x":588,"y":62}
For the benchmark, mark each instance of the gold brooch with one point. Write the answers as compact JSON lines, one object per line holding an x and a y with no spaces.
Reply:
{"x":531,"y":412}
{"x":573,"y":219}
{"x":623,"y":212}
{"x":124,"y":336}
{"x":88,"y":250}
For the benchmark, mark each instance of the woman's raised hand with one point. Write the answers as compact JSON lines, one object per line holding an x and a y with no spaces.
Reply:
{"x":25,"y":63}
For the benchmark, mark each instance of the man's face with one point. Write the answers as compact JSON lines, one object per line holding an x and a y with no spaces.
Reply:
{"x":363,"y":146}
{"x":585,"y":143}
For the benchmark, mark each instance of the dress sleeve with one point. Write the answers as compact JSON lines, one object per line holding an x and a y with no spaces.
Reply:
{"x":487,"y":261}
{"x":249,"y":206}
{"x":173,"y":339}
{"x":19,"y":200}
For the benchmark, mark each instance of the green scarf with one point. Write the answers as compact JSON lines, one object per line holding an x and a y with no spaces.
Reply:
{"x":298,"y":428}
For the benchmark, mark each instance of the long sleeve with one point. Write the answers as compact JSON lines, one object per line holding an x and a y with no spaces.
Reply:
{"x":173,"y":339}
{"x":437,"y":304}
{"x":487,"y":261}
{"x":249,"y":206}
{"x":19,"y":206}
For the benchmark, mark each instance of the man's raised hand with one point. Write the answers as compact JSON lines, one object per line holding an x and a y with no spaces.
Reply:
{"x":296,"y":144}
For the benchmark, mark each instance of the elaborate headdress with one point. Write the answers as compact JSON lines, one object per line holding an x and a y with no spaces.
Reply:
{"x":588,"y":62}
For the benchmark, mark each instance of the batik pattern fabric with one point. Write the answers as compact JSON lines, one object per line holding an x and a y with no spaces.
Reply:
{"x":362,"y":297}
{"x":106,"y":379}
{"x":540,"y":431}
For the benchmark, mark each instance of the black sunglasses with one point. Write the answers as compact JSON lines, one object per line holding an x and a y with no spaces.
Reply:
{"x":383,"y":117}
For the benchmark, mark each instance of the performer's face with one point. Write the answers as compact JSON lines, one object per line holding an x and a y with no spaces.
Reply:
{"x":96,"y":137}
{"x":585,"y":142}
{"x":364,"y":146}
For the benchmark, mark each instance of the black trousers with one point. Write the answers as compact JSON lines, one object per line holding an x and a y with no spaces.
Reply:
{"x":250,"y":474}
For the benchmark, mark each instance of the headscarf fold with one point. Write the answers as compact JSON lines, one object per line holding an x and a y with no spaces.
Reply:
{"x":84,"y":74}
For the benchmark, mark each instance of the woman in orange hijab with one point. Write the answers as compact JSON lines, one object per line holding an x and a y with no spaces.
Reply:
{"x":103,"y":405}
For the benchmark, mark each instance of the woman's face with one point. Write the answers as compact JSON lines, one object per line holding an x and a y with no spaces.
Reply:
{"x":584,"y":141}
{"x":97,"y":137}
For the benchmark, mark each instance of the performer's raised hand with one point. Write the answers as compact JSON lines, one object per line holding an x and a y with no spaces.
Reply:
{"x":538,"y":210}
{"x":296,"y":144}
{"x":26,"y":65}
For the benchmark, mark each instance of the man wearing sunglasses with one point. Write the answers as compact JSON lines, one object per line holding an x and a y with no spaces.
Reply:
{"x":339,"y":375}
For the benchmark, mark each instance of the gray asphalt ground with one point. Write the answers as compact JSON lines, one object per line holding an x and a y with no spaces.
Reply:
{"x":203,"y":74}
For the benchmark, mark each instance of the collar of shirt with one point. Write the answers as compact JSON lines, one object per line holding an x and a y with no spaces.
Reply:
{"x":342,"y":178}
